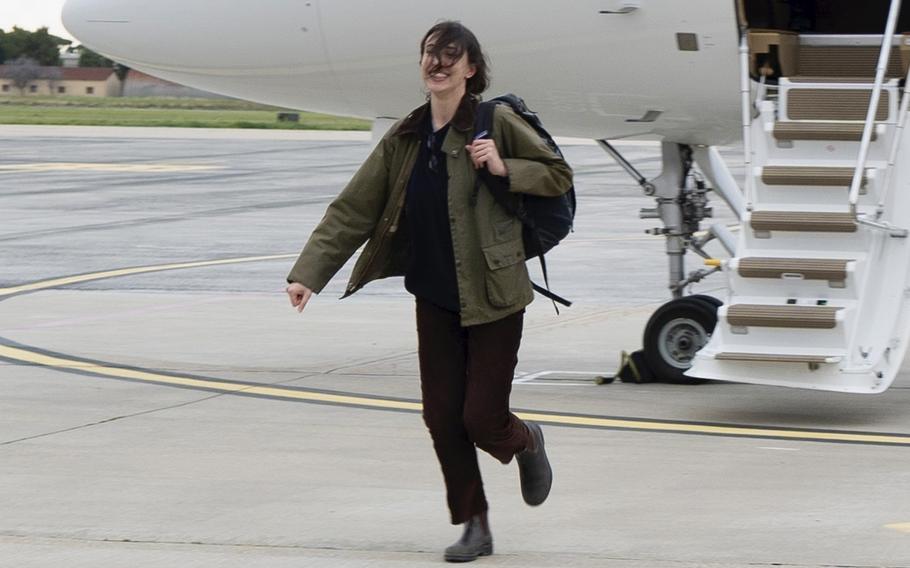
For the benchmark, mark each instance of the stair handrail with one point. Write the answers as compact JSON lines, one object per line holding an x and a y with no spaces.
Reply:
{"x":746,"y":95}
{"x":895,"y":144}
{"x":883,"y":58}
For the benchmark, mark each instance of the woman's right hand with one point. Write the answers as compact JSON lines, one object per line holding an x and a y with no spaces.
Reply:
{"x":299,"y":295}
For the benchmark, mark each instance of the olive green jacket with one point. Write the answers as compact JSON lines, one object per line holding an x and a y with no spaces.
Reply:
{"x":492,"y":278}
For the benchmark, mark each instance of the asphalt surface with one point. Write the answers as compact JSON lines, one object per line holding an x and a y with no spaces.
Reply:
{"x":189,"y":417}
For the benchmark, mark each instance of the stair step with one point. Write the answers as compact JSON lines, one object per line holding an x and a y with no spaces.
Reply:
{"x":809,"y":175}
{"x":868,"y":81}
{"x":808,"y":268}
{"x":803,"y":317}
{"x":834,"y":104}
{"x":843,"y":131}
{"x":803,"y":221}
{"x":778,"y":358}
{"x":845,"y":61}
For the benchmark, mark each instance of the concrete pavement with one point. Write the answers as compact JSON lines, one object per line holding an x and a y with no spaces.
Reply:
{"x":103,"y":470}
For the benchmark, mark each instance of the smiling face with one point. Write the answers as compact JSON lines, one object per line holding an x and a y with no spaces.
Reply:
{"x":445,"y":69}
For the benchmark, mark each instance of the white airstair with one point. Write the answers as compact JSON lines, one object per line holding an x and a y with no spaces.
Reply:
{"x":819,"y":294}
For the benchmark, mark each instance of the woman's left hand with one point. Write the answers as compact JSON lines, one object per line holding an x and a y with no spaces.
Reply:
{"x":483,"y":152}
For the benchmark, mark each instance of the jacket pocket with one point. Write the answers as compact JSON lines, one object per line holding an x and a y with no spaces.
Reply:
{"x":506,"y":274}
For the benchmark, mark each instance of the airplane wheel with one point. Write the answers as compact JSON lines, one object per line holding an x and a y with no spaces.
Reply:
{"x":713,"y":302}
{"x":675,"y":332}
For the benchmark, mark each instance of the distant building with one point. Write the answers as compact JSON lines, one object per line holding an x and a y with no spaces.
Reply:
{"x":84,"y":81}
{"x":95,"y":81}
{"x":69,"y":59}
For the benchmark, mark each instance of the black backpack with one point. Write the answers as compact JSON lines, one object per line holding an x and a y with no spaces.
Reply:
{"x":545,"y":220}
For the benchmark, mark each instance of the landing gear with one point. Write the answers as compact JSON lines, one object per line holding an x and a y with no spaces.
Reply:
{"x":675,"y":333}
{"x":681,"y":327}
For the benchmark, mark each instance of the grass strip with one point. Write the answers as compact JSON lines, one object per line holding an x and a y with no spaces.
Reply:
{"x":161,"y":111}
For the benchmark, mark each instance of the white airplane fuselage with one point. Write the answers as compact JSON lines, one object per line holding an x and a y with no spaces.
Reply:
{"x":587,"y":72}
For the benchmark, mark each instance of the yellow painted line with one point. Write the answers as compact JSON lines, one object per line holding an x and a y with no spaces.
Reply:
{"x":900,"y":527}
{"x":31,"y":357}
{"x":720,"y":430}
{"x":99,"y":167}
{"x":67,"y":280}
{"x":35,"y":358}
{"x":211,"y":384}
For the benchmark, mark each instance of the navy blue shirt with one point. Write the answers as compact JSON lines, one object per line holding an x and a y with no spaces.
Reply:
{"x":431,"y":273}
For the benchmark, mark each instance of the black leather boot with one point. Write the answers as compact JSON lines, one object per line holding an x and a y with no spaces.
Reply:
{"x":475,"y":541}
{"x":534,"y":468}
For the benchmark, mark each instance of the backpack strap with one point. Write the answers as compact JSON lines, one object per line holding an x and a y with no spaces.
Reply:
{"x":483,"y":128}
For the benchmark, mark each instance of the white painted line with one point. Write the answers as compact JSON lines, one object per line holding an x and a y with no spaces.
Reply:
{"x":532,"y":376}
{"x":574,"y":372}
{"x":538,"y":374}
{"x":537,"y":379}
{"x":560,"y":384}
{"x":778,"y":449}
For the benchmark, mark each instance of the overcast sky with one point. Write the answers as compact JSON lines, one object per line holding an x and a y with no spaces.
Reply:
{"x":32,"y":14}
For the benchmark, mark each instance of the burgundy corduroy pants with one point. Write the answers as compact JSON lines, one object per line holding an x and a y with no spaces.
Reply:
{"x":466,"y":379}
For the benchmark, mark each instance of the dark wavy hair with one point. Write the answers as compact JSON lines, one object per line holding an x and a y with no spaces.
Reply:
{"x":455,"y":39}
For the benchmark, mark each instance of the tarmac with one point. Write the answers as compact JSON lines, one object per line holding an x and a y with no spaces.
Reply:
{"x":161,"y":404}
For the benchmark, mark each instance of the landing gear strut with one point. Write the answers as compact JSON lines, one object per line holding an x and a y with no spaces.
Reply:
{"x":682,"y":326}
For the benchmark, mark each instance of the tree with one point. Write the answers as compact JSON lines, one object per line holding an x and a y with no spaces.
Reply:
{"x":44,"y":47}
{"x":39,"y":45}
{"x":12,"y":43}
{"x":89,"y":58}
{"x":23,"y":71}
